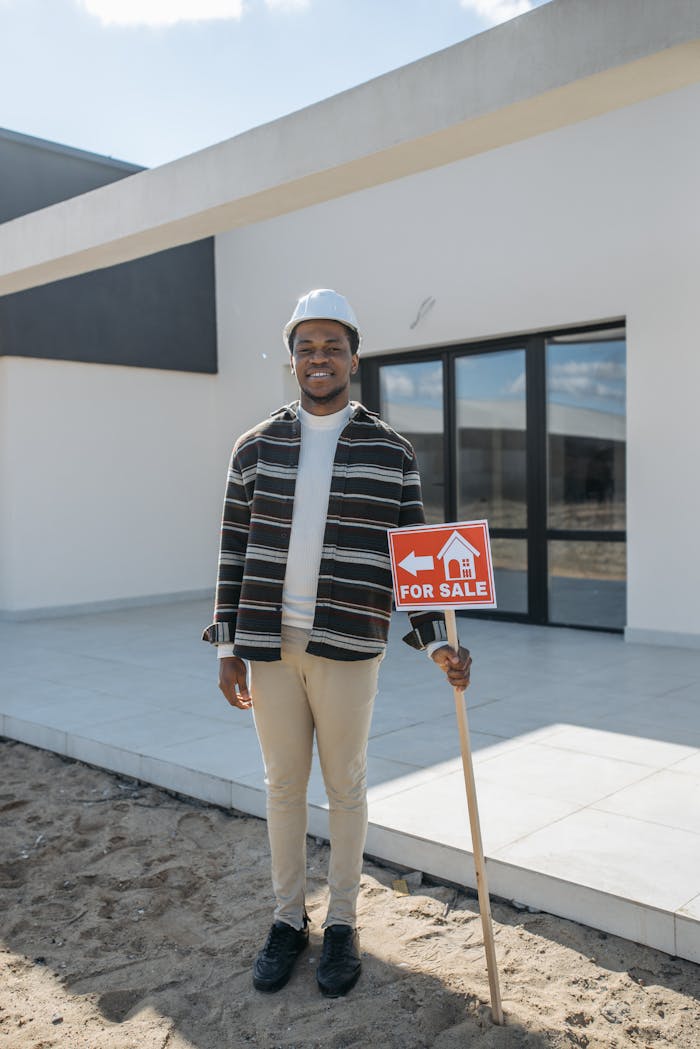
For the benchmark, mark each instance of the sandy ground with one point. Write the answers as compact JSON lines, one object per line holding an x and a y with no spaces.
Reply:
{"x":130,"y":919}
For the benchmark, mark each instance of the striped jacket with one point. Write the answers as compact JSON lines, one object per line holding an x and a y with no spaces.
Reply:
{"x":374,"y":486}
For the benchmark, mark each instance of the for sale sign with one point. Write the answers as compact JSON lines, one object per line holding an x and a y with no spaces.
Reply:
{"x":442,"y":566}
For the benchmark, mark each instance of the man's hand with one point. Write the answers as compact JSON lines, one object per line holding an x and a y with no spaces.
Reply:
{"x":456,"y":665}
{"x":233,"y":682}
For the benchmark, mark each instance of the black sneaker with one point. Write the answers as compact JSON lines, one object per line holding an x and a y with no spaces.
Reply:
{"x":274,"y":965}
{"x":339,"y":968}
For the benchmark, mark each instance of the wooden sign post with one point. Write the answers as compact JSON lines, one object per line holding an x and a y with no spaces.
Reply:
{"x":448,"y":567}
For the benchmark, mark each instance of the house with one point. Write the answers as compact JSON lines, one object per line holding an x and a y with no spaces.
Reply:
{"x":537,"y":185}
{"x":458,"y":557}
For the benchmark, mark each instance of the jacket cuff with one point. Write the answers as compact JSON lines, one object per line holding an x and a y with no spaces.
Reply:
{"x":433,"y":646}
{"x":220,"y":634}
{"x":424,"y":633}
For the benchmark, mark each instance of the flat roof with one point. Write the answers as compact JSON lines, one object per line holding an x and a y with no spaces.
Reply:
{"x":48,"y":145}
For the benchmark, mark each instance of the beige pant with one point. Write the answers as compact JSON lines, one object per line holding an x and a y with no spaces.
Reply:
{"x":292,"y":698}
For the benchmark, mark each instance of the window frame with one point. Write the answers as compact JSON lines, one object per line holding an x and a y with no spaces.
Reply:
{"x":537,"y":533}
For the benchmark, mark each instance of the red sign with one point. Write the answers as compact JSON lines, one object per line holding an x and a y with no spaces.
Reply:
{"x":442,"y":566}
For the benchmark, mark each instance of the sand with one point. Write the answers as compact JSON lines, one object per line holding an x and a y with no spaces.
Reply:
{"x":130,"y":918}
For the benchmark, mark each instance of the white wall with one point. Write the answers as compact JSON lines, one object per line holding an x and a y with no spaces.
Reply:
{"x":112,"y":478}
{"x":108,"y":487}
{"x":592,"y":222}
{"x":664,"y":451}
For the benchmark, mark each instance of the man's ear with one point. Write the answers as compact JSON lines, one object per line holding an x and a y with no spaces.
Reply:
{"x":355,"y":364}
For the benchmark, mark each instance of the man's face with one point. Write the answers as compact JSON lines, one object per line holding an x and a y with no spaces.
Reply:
{"x":323,"y":363}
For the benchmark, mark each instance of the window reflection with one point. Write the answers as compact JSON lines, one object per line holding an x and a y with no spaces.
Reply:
{"x":491,"y":438}
{"x":586,"y":478}
{"x":356,"y":387}
{"x":510,"y":574}
{"x":586,"y":434}
{"x":411,"y":402}
{"x":587,"y":583}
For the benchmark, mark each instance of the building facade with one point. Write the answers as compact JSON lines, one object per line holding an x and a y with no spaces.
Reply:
{"x":530,"y":320}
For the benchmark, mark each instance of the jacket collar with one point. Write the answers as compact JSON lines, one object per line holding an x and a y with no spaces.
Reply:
{"x":290,"y":411}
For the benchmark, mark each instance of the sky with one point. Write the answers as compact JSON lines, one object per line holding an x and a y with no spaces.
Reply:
{"x":148,"y":81}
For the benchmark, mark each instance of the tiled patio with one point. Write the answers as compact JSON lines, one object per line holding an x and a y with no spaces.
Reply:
{"x":586,"y":749}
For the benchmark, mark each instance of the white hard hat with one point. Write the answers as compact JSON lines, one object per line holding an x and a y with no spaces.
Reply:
{"x":322,"y":304}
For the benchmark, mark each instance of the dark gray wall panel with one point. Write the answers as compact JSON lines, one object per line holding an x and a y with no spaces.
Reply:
{"x":155,"y":312}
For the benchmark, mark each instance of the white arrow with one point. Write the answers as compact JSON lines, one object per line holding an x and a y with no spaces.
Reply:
{"x":415,"y":564}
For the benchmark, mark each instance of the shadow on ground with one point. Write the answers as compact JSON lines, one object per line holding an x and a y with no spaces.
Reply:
{"x":131,"y":919}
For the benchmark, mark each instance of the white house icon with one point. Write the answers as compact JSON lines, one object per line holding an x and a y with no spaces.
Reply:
{"x":458,"y":557}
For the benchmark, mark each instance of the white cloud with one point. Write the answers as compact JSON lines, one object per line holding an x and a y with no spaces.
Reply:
{"x":601,"y":380}
{"x":494,"y":11}
{"x":161,"y":12}
{"x":399,"y":385}
{"x":430,"y":384}
{"x":582,"y":380}
{"x":592,"y":369}
{"x":288,"y":5}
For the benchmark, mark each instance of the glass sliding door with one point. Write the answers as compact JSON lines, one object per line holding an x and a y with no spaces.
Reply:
{"x":586,"y":511}
{"x":411,"y":400}
{"x":528,"y":433}
{"x":491,"y":462}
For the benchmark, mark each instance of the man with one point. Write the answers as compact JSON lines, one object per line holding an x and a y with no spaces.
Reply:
{"x":304,"y":594}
